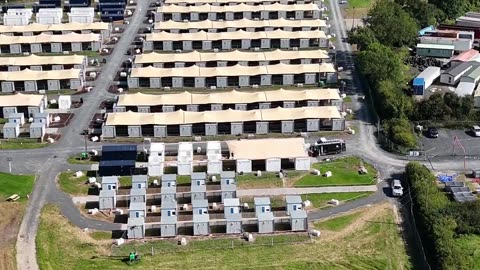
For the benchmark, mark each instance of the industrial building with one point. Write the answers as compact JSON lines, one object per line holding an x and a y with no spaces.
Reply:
{"x":45,"y":43}
{"x":277,"y":39}
{"x":230,"y":58}
{"x":232,"y":76}
{"x":459,"y":44}
{"x":237,"y":12}
{"x":237,"y":100}
{"x":104,"y":29}
{"x":22,"y":103}
{"x":233,"y":122}
{"x":266,"y":155}
{"x":43,"y":63}
{"x":425,"y":79}
{"x":33,"y":80}
{"x":466,"y":56}
{"x":242,"y":24}
{"x":452,"y":75}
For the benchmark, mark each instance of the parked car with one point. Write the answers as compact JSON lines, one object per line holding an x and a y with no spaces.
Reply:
{"x":343,"y":2}
{"x":433,"y":132}
{"x":397,"y":189}
{"x":475,"y":131}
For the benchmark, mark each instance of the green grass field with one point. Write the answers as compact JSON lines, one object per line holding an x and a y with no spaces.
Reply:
{"x":73,"y":185}
{"x":347,"y":99}
{"x":357,"y":8}
{"x":12,"y":144}
{"x":125,"y":181}
{"x":15,"y":184}
{"x":338,"y":223}
{"x":359,"y":3}
{"x":344,"y":172}
{"x":266,"y":180}
{"x":321,"y":199}
{"x":369,"y":246}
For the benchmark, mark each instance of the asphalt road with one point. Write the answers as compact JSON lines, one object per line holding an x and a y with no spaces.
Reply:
{"x":48,"y":162}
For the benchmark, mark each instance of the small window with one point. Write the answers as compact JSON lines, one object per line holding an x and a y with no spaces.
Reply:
{"x":231,"y":210}
{"x":294,"y":207}
{"x":228,"y":181}
{"x":169,"y":184}
{"x":263,"y":209}
{"x":109,"y":187}
{"x":198,"y":183}
{"x":139,"y":185}
{"x":169,"y":213}
{"x":137,"y":214}
{"x":200,"y":211}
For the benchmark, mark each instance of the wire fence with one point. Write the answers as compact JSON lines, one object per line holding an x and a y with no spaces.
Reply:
{"x":174,"y":247}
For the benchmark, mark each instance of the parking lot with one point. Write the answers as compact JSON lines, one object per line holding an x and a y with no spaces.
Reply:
{"x":444,"y":144}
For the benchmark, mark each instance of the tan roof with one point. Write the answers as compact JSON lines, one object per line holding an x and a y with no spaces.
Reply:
{"x":267,"y":148}
{"x":237,"y":8}
{"x":37,"y":27}
{"x":237,"y":70}
{"x":196,"y":56}
{"x":243,"y":23}
{"x":34,"y":75}
{"x":226,"y":97}
{"x":240,"y":34}
{"x":45,"y":38}
{"x":20,"y":100}
{"x":42,"y":60}
{"x":225,"y":116}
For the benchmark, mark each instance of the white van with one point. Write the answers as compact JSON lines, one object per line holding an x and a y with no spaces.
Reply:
{"x":475,"y":131}
{"x":397,"y":189}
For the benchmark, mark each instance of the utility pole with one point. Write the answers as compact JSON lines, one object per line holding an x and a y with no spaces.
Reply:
{"x":85,"y":136}
{"x":9,"y":159}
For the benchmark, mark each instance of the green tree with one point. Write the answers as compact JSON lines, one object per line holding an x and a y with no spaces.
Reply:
{"x":432,"y":109}
{"x":362,"y":36}
{"x":454,"y":8}
{"x":380,"y":62}
{"x":391,"y":24}
{"x":400,"y":132}
{"x":391,"y":101}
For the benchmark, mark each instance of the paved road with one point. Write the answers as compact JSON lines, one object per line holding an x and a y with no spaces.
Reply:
{"x":47,"y":167}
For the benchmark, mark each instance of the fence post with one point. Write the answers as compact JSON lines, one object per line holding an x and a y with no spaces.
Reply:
{"x":152,"y":251}
{"x":231,"y":244}
{"x":272,"y":241}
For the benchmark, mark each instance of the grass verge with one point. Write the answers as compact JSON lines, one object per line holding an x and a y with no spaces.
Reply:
{"x":77,"y":159}
{"x":12,"y":214}
{"x":73,"y":185}
{"x":13,"y":144}
{"x":338,"y":223}
{"x":320,"y":200}
{"x":345,"y":171}
{"x":363,"y":245}
{"x":266,"y":180}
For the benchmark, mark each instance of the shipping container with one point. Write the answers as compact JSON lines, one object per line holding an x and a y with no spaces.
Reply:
{"x":119,"y":152}
{"x":116,"y":167}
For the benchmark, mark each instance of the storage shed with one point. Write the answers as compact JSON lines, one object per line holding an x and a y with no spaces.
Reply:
{"x":168,"y":220}
{"x":435,"y":50}
{"x":157,"y":149}
{"x":64,"y":102}
{"x":231,"y":206}
{"x":110,"y":183}
{"x":214,"y":157}
{"x":156,"y":164}
{"x":227,"y":185}
{"x":11,"y":130}
{"x":452,"y":75}
{"x":169,"y":188}
{"x":465,"y":89}
{"x":198,"y":186}
{"x":169,"y":180}
{"x":17,"y":118}
{"x":262,"y":205}
{"x":135,"y":228}
{"x":137,"y":210}
{"x":265,"y":222}
{"x":138,"y":195}
{"x":42,"y":118}
{"x":37,"y":130}
{"x":425,"y":79}
{"x":139,"y":181}
{"x":298,"y":220}
{"x":107,"y":199}
{"x":185,"y":158}
{"x":294,"y":203}
{"x":472,"y":76}
{"x":116,"y":167}
{"x":234,"y":223}
{"x":201,"y":217}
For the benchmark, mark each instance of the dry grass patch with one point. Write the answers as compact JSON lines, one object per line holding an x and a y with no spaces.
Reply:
{"x":11,"y":214}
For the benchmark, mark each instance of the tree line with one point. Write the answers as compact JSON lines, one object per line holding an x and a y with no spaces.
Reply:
{"x":442,"y":222}
{"x":389,"y":30}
